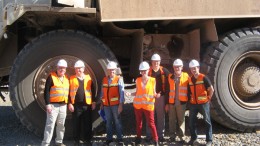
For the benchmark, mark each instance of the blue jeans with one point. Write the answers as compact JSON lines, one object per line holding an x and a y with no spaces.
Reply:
{"x":204,"y":109}
{"x":113,"y":118}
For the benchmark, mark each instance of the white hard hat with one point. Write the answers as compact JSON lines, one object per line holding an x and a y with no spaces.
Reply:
{"x":79,"y":63}
{"x":156,"y":57}
{"x":177,"y":62}
{"x":144,"y":66}
{"x":193,"y":63}
{"x":62,"y":63}
{"x":111,"y":65}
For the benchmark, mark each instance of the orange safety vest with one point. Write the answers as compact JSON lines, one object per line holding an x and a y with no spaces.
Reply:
{"x":201,"y":92}
{"x":111,"y":94}
{"x":183,"y":87}
{"x":162,"y":76}
{"x":74,"y":85}
{"x":144,"y":98}
{"x":60,"y":90}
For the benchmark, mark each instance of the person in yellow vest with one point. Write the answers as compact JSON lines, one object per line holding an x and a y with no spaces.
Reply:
{"x":177,"y":99}
{"x":160,"y":74}
{"x":112,"y":96}
{"x":81,"y":104}
{"x":56,"y":98}
{"x":201,"y":93}
{"x":143,"y":102}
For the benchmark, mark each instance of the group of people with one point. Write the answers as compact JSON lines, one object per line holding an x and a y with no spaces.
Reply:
{"x":158,"y":92}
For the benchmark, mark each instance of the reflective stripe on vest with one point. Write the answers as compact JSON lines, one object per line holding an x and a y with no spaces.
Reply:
{"x":60,"y":90}
{"x":183,"y":88}
{"x":201,"y":92}
{"x":144,"y":96}
{"x":74,"y":85}
{"x":110,"y":91}
{"x":162,"y":76}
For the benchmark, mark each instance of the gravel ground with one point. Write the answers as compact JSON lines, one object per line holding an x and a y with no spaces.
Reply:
{"x":13,"y":133}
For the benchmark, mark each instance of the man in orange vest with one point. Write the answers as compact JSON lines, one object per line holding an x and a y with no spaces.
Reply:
{"x":81,"y":104}
{"x":160,"y":74}
{"x":178,"y":97}
{"x":56,"y":99}
{"x":113,"y":99}
{"x":201,"y":93}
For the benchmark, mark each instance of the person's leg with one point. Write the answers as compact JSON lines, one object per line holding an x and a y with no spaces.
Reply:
{"x":149,"y":116}
{"x":172,"y":121}
{"x":76,"y":123}
{"x":138,"y":118}
{"x":87,"y":125}
{"x":60,"y":128}
{"x":205,"y":111}
{"x":192,"y":121}
{"x":49,"y":126}
{"x":160,"y":116}
{"x":109,"y":118}
{"x":180,"y":109}
{"x":117,"y":120}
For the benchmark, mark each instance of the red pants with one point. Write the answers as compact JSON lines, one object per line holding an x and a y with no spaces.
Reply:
{"x":149,"y":116}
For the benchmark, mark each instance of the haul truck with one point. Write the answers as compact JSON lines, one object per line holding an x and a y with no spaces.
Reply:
{"x":223,"y":35}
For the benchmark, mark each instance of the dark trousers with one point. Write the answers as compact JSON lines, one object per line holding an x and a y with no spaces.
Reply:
{"x":82,"y":122}
{"x":204,"y":109}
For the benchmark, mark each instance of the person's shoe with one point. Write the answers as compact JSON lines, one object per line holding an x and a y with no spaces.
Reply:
{"x":148,"y":140}
{"x":195,"y":142}
{"x":76,"y":143}
{"x":120,"y":142}
{"x":59,"y":144}
{"x":172,"y":139}
{"x":156,"y":143}
{"x":209,"y":143}
{"x":161,"y":139}
{"x":137,"y":140}
{"x":108,"y":142}
{"x":88,"y":143}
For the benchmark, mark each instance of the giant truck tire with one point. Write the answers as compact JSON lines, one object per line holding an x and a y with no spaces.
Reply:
{"x":234,"y":68}
{"x":38,"y":58}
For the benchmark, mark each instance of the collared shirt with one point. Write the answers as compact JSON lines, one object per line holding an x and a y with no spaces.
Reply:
{"x":121,"y":88}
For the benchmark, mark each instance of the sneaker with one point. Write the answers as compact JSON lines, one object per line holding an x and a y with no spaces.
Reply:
{"x":137,"y":140}
{"x":209,"y":143}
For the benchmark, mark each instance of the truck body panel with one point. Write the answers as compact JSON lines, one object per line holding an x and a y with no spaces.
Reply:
{"x":224,"y":36}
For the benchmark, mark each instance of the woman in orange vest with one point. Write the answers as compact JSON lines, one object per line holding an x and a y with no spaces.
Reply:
{"x":144,"y":102}
{"x":81,"y":104}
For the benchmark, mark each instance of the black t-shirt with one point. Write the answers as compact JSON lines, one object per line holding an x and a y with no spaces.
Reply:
{"x":80,"y":95}
{"x":158,"y":77}
{"x":206,"y":81}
